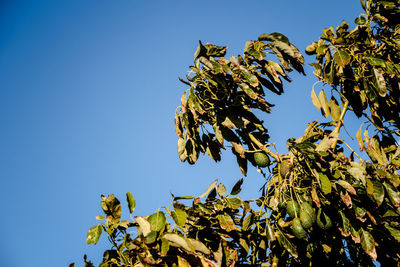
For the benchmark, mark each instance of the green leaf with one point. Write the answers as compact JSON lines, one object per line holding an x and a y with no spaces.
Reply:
{"x":284,"y":48}
{"x":390,"y":213}
{"x":179,"y":216}
{"x":324,"y":103}
{"x":218,"y":134}
{"x":209,"y":189}
{"x":325,"y":183}
{"x":349,"y":188}
{"x":341,"y":58}
{"x":94,"y":234}
{"x":360,"y":20}
{"x":325,"y":144}
{"x":131,"y":202}
{"x":183,"y":197}
{"x":178,"y":241}
{"x":345,"y":224}
{"x":100,"y":217}
{"x":357,"y":171}
{"x":244,"y":244}
{"x":374,"y":61}
{"x":237,"y":187}
{"x":248,"y":91}
{"x":394,"y":195}
{"x":360,"y":140}
{"x":394,"y":232}
{"x":226,"y":222}
{"x":334,"y":109}
{"x":221,"y":190}
{"x":193,"y":101}
{"x":329,"y":72}
{"x":200,"y":51}
{"x":249,"y":77}
{"x":275,"y":36}
{"x":368,"y":243}
{"x":283,"y":241}
{"x":184,"y":99}
{"x":144,"y":225}
{"x":378,"y":192}
{"x":233,"y":203}
{"x":157,"y":221}
{"x":247,"y":222}
{"x":315,"y":99}
{"x":269,"y":231}
{"x":215,"y":51}
{"x":111,"y":206}
{"x":164,"y":246}
{"x":380,"y":82}
{"x":199,"y":246}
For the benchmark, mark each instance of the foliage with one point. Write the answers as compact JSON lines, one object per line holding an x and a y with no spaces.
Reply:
{"x":322,"y":202}
{"x":224,"y":93}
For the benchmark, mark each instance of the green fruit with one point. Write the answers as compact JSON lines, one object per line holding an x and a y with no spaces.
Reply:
{"x":297,"y":229}
{"x":305,"y":219}
{"x":284,"y":168}
{"x":310,"y":210}
{"x":261,"y":159}
{"x":323,"y":220}
{"x":293,"y":208}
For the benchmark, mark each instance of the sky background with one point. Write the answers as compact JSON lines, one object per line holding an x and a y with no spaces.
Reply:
{"x":88,"y":91}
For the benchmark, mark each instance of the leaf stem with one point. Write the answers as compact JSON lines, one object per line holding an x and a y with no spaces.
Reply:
{"x":262,"y":147}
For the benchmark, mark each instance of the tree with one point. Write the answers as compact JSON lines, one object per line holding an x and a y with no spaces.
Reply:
{"x":322,"y":202}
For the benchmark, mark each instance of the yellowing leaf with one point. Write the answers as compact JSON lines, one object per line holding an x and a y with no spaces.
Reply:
{"x":341,"y":58}
{"x":94,"y":234}
{"x":178,"y":240}
{"x":324,"y":103}
{"x":209,"y":189}
{"x":144,"y":225}
{"x":334,"y":109}
{"x":315,"y":99}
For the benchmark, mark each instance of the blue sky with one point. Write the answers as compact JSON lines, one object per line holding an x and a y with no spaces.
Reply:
{"x":88,"y":91}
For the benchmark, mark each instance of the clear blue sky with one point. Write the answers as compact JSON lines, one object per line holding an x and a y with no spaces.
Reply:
{"x":88,"y":91}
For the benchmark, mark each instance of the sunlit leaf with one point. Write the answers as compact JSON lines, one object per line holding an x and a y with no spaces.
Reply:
{"x":394,"y":195}
{"x":157,"y":221}
{"x":324,"y":103}
{"x":179,"y":216}
{"x":394,"y":232}
{"x":94,"y":234}
{"x":335,"y":109}
{"x":315,"y":99}
{"x":325,"y":183}
{"x":209,"y":189}
{"x":144,"y":225}
{"x":341,"y":58}
{"x":226,"y":222}
{"x":131,"y":202}
{"x":199,"y":246}
{"x":368,"y":243}
{"x":285,"y":242}
{"x":178,"y":241}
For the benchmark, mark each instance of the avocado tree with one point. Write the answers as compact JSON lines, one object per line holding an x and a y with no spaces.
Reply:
{"x":323,"y":202}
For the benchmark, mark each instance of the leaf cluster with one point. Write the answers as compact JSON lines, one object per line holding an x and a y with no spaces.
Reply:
{"x":322,"y":203}
{"x":223,"y":94}
{"x":363,"y":64}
